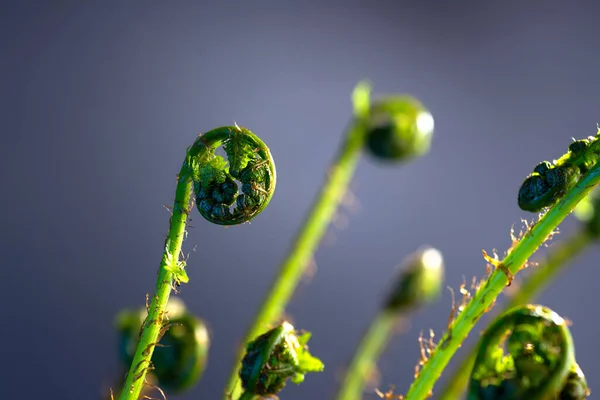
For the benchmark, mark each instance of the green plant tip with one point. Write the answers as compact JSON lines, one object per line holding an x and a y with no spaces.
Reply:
{"x":181,"y":357}
{"x":550,"y":181}
{"x":419,"y":282}
{"x":398,"y":128}
{"x":232,"y":191}
{"x":274,"y":357}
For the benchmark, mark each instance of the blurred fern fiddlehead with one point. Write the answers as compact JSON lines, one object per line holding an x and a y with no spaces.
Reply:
{"x":393,"y":128}
{"x":272,"y":359}
{"x":419,"y":282}
{"x":179,"y":361}
{"x":212,"y":179}
{"x":560,"y":192}
{"x":540,"y":363}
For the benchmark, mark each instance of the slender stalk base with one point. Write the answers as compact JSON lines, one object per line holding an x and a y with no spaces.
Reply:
{"x":365,"y":359}
{"x":164,"y":283}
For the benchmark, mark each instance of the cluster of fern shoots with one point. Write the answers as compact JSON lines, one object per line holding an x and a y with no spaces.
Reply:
{"x":526,"y":352}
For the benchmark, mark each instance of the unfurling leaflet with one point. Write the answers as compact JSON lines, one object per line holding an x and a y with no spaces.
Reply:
{"x":273,"y":358}
{"x":540,"y":363}
{"x":235,"y":190}
{"x":550,"y":181}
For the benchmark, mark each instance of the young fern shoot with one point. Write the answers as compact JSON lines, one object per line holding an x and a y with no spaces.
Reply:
{"x":559,"y":191}
{"x":419,"y":283}
{"x":393,"y":128}
{"x":211,"y":179}
{"x":540,"y":363}
{"x":273,"y":358}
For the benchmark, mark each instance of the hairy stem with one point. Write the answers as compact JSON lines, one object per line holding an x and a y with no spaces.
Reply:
{"x":559,"y":257}
{"x":365,"y":359}
{"x":486,"y":295}
{"x":156,"y":314}
{"x":310,"y":235}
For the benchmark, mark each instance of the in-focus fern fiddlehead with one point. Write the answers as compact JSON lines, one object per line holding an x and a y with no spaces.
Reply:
{"x":250,"y":163}
{"x":273,"y":358}
{"x":486,"y":293}
{"x":212,"y":179}
{"x":540,"y":363}
{"x":392,"y":128}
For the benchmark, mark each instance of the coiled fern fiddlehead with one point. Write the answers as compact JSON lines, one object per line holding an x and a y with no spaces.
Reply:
{"x":540,"y":363}
{"x":560,"y":204}
{"x":393,"y":128}
{"x":212,"y":180}
{"x":550,"y":181}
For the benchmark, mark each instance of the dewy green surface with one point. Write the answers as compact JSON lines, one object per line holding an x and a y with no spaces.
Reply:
{"x":486,"y":295}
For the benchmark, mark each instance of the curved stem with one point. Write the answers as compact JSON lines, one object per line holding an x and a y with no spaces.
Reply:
{"x":154,"y":321}
{"x":365,"y":359}
{"x":322,"y":211}
{"x":557,"y":260}
{"x":485,"y":296}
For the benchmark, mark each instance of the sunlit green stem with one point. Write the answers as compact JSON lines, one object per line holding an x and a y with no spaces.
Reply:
{"x":322,"y":211}
{"x":154,"y":322}
{"x":364,"y":362}
{"x":486,"y":295}
{"x":557,"y":260}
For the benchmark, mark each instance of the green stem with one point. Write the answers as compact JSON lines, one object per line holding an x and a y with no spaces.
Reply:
{"x":247,"y":396}
{"x":154,"y":322}
{"x":365,"y":358}
{"x":489,"y":290}
{"x":324,"y":207}
{"x":556,"y":261}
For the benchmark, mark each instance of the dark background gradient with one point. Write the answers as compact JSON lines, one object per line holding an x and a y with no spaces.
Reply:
{"x":100,"y":99}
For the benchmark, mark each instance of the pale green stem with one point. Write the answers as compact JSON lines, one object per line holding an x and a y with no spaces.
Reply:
{"x":489,"y":290}
{"x":557,"y":260}
{"x":365,"y":359}
{"x":164,"y":283}
{"x":322,"y":211}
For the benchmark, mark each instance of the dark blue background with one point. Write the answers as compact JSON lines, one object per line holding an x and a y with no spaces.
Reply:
{"x":100,"y":99}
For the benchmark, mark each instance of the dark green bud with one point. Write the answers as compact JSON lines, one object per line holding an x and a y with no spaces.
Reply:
{"x":181,"y":356}
{"x":398,"y":128}
{"x":419,"y":282}
{"x":274,"y":357}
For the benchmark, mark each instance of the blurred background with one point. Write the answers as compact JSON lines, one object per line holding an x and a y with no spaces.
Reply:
{"x":99,"y":101}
